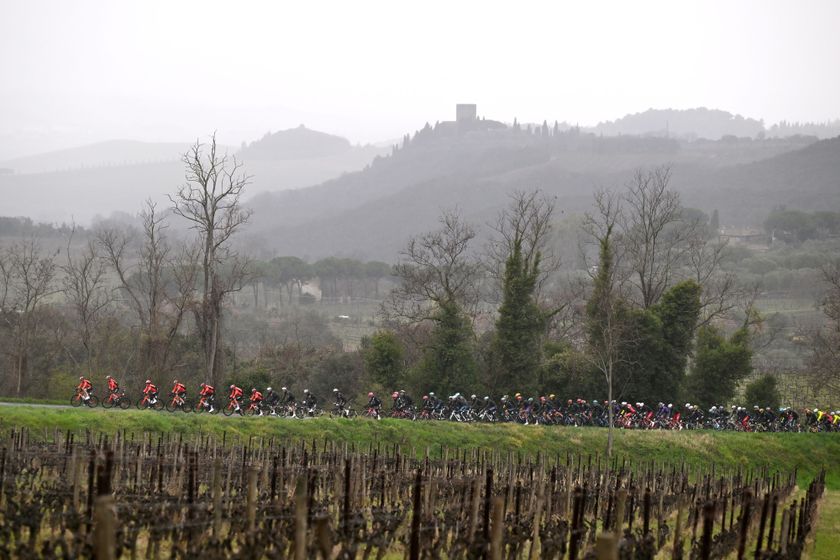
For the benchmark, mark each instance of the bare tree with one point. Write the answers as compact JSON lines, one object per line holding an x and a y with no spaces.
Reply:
{"x":525,"y":222}
{"x":437,"y":269}
{"x":610,"y":335}
{"x":210,"y":201}
{"x":656,"y":235}
{"x":26,"y":281}
{"x":84,"y":287}
{"x":825,"y":342}
{"x":157,"y":283}
{"x":720,"y":289}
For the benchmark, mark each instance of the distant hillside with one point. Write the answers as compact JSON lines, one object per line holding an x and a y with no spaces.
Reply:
{"x":80,"y":192}
{"x":295,"y":143}
{"x":102,"y":154}
{"x":711,"y":124}
{"x":371,"y":214}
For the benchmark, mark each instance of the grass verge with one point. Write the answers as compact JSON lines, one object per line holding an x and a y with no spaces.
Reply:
{"x":805,"y":452}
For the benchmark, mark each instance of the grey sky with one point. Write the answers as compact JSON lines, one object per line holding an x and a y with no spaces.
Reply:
{"x":75,"y":72}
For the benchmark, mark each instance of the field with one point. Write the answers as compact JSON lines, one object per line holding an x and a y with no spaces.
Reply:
{"x":270,"y":475}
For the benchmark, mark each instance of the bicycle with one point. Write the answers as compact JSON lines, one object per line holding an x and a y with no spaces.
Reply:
{"x":232,"y":406}
{"x":78,"y":399}
{"x":205,"y":404}
{"x":148,"y":402}
{"x":117,"y":399}
{"x":178,"y":403}
{"x":342,"y":412}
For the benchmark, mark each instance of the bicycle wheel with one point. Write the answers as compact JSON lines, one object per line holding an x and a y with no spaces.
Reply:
{"x":186,"y":406}
{"x":92,"y":401}
{"x":124,"y":403}
{"x":171,"y":406}
{"x":108,"y":403}
{"x":76,"y":401}
{"x":228,"y":410}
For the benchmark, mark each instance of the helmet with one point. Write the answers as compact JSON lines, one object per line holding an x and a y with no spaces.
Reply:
{"x":306,"y":390}
{"x":253,"y":389}
{"x":107,"y":377}
{"x":431,"y":393}
{"x":473,"y":396}
{"x":203,"y":385}
{"x":670,"y":405}
{"x":232,"y":386}
{"x":174,"y":381}
{"x":425,"y":397}
{"x":551,"y":396}
{"x":283,"y":389}
{"x":268,"y":389}
{"x":81,"y":377}
{"x":402,"y":391}
{"x":395,"y":394}
{"x":370,"y":394}
{"x":335,"y":389}
{"x":148,"y":381}
{"x":486,"y":398}
{"x":530,"y":399}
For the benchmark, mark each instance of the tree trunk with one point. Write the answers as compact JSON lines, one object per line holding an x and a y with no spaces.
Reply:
{"x":609,"y":411}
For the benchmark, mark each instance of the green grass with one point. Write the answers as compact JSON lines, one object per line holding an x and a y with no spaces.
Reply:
{"x":827,"y":531}
{"x":31,"y":400}
{"x":805,"y":452}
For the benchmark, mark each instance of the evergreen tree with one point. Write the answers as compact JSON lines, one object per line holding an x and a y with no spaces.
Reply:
{"x":448,"y":363}
{"x":763,"y":392}
{"x":718,"y":366}
{"x":383,"y":357}
{"x":520,"y":325}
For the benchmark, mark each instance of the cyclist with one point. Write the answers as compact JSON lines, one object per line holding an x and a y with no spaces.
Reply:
{"x":113,"y":386}
{"x":235,"y":396}
{"x":434,"y":402}
{"x":256,"y":400}
{"x":488,"y":407}
{"x":340,"y":399}
{"x":208,"y":392}
{"x":309,"y":401}
{"x":374,"y":403}
{"x":405,"y":401}
{"x":179,"y":390}
{"x":85,"y":387}
{"x":272,"y":399}
{"x":150,"y":391}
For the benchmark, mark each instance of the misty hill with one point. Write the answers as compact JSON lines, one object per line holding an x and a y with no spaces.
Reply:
{"x":711,"y":124}
{"x":370,"y":214}
{"x":102,"y":154}
{"x":81,"y":190}
{"x":295,"y":143}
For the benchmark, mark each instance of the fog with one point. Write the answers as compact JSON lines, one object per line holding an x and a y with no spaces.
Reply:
{"x":81,"y":72}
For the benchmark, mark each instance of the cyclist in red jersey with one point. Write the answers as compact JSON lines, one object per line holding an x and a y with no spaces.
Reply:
{"x":150,"y":390}
{"x":85,"y":387}
{"x":256,"y":400}
{"x":235,"y":395}
{"x":209,"y":393}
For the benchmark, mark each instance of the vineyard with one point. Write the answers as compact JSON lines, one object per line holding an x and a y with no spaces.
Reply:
{"x":148,"y":495}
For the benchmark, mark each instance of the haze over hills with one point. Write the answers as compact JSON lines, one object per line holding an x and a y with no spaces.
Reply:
{"x":119,"y":175}
{"x":370,"y":214}
{"x":359,"y":201}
